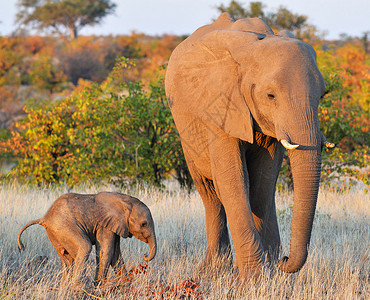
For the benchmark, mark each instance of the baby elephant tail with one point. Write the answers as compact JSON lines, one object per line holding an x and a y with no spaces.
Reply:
{"x":20,"y":245}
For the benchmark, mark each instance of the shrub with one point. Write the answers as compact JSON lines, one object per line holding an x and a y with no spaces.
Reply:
{"x":344,"y":116}
{"x":100,"y":133}
{"x":45,"y":75}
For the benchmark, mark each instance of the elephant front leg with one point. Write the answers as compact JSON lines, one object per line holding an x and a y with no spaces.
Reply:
{"x":117,"y":262}
{"x":97,"y":258}
{"x":230,"y":177}
{"x":106,"y":239}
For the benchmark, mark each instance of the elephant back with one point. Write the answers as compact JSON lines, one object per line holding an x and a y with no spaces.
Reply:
{"x":224,"y":22}
{"x":256,"y":25}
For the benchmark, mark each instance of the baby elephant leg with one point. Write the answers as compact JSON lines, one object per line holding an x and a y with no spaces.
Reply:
{"x":97,"y":258}
{"x":117,"y":262}
{"x":82,"y":255}
{"x":73,"y":247}
{"x":106,"y":239}
{"x":65,"y":257}
{"x":66,"y":265}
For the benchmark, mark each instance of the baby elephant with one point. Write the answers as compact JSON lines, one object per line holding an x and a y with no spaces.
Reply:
{"x":75,"y":222}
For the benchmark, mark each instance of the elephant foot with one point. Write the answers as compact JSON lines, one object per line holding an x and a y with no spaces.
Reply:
{"x":214,"y":265}
{"x":250,"y":274}
{"x":106,"y":290}
{"x":73,"y":289}
{"x":121,"y":273}
{"x":272,"y":255}
{"x":271,"y":258}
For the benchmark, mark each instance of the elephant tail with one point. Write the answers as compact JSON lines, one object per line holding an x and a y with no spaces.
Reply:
{"x":20,"y":244}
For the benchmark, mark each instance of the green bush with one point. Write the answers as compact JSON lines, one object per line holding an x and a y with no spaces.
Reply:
{"x":125,"y":132}
{"x":101,"y":132}
{"x":342,"y":121}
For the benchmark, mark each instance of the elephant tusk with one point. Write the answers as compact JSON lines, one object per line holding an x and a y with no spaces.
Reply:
{"x":329,"y":145}
{"x":288,"y":145}
{"x":326,"y":143}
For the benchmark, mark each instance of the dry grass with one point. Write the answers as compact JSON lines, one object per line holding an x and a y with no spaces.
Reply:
{"x":337,"y":266}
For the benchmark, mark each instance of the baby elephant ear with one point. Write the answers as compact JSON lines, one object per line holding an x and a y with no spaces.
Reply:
{"x":112,"y":210}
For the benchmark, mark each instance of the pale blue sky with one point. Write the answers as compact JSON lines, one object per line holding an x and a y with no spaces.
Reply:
{"x":183,"y":17}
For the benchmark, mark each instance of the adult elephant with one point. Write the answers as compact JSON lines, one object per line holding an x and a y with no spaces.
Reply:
{"x":238,"y":94}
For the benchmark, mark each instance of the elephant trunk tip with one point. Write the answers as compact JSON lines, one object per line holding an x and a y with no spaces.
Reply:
{"x":153,"y":249}
{"x":149,"y":257}
{"x":146,"y":257}
{"x":289,"y":266}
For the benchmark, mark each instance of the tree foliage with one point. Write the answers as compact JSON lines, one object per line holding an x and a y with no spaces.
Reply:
{"x":345,"y":112}
{"x":44,"y":68}
{"x":279,"y":20}
{"x":100,"y":133}
{"x":44,"y":74}
{"x":43,"y":71}
{"x":238,"y":11}
{"x":63,"y":16}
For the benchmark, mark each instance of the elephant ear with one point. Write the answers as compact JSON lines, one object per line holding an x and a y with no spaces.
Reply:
{"x":112,"y":211}
{"x":207,"y":82}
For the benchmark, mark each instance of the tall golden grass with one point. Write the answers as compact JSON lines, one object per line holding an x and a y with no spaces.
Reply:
{"x":337,"y":266}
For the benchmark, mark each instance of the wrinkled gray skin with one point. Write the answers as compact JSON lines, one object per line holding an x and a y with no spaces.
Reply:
{"x":238,"y":93}
{"x":75,"y":222}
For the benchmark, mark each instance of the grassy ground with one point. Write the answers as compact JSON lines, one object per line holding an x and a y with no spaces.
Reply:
{"x":337,"y":266}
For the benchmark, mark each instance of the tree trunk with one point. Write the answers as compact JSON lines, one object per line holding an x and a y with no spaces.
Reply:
{"x":73,"y":32}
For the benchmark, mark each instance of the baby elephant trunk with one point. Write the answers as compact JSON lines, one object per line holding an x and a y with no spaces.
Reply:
{"x":152,"y":241}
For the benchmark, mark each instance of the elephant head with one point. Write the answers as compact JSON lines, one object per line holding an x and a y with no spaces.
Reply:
{"x":126,"y":216}
{"x":242,"y":78}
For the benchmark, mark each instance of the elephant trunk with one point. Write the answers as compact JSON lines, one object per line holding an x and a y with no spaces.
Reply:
{"x":306,"y":167}
{"x":152,"y":241}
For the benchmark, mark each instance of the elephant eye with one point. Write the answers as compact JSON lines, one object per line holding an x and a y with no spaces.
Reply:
{"x":271,"y":96}
{"x":144,"y":224}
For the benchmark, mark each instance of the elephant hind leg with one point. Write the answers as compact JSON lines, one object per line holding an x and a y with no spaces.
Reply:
{"x":218,"y":241}
{"x":271,"y":236}
{"x":82,"y":256}
{"x":76,"y":250}
{"x":65,"y":257}
{"x":67,"y":266}
{"x":263,"y":162}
